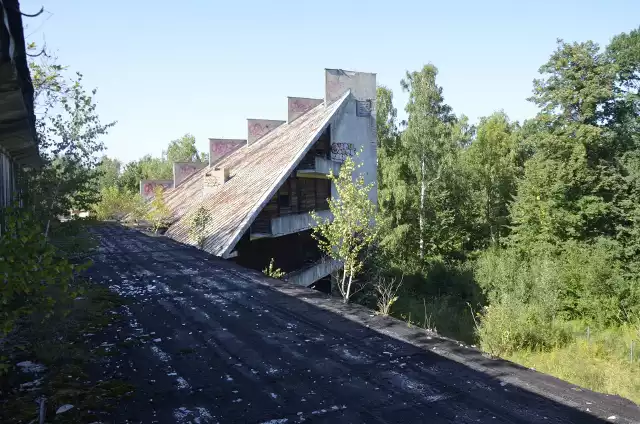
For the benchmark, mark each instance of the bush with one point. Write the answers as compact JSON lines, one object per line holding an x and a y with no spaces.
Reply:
{"x":116,"y":204}
{"x":511,"y":325}
{"x":574,"y":281}
{"x":198,"y":226}
{"x":31,"y":268}
{"x":159,"y":214}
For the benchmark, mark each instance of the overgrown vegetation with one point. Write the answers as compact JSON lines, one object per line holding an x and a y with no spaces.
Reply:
{"x":272,"y":271}
{"x":348,"y":236}
{"x":158,"y":214}
{"x":198,"y":226}
{"x":512,"y":235}
{"x":42,"y":246}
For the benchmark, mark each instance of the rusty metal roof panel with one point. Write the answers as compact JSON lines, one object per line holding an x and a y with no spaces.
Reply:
{"x":256,"y":172}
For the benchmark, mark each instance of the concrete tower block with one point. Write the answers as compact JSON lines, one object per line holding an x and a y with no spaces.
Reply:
{"x":338,"y":81}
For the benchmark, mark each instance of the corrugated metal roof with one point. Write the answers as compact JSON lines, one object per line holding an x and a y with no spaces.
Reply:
{"x":256,"y":172}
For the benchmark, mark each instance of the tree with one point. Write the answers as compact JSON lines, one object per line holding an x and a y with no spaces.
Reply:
{"x":159,"y":213}
{"x":109,"y":169}
{"x":183,"y":149}
{"x":430,"y":149}
{"x":492,"y":160}
{"x":352,"y":231}
{"x":575,"y":186}
{"x":69,"y":140}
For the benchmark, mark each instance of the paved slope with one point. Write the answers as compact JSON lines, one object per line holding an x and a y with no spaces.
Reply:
{"x":222,"y":344}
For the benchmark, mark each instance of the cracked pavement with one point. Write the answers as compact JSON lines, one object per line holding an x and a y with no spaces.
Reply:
{"x":207,"y":341}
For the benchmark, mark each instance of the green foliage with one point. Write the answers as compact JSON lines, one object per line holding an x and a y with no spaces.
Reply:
{"x":158,"y":214}
{"x":69,"y":140}
{"x":492,"y":159}
{"x":109,"y":170}
{"x":272,"y":271}
{"x":198,"y":226}
{"x":116,"y":203}
{"x":31,"y":268}
{"x":545,"y":214}
{"x":351,"y":232}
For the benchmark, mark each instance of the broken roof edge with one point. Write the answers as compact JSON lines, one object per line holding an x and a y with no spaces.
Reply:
{"x":228,"y":248}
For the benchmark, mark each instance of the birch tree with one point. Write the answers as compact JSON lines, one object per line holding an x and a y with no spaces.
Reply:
{"x":352,"y":231}
{"x":430,"y":151}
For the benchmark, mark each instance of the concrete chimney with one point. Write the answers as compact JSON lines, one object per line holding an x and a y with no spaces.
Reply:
{"x":183,"y":170}
{"x":219,"y":148}
{"x":214,"y":178}
{"x":361,"y":84}
{"x":258,"y":128}
{"x":298,"y":106}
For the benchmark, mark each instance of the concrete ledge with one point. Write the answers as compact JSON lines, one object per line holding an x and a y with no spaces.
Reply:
{"x":289,"y":224}
{"x":309,"y":275}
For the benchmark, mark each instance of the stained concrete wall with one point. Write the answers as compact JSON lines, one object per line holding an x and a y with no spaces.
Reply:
{"x":219,"y":148}
{"x":258,"y":128}
{"x":298,"y":106}
{"x":147,"y":187}
{"x":289,"y":224}
{"x":353,"y":131}
{"x":183,"y":170}
{"x":214,"y":178}
{"x":309,"y":275}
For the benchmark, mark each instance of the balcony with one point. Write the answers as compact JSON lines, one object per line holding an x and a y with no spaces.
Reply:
{"x":309,"y":275}
{"x":286,"y":224}
{"x":317,"y":167}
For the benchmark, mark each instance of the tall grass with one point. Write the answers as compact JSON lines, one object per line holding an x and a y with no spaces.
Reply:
{"x":601,"y":362}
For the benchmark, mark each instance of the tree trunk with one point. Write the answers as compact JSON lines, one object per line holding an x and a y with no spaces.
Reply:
{"x":342,"y":284}
{"x":422,"y":194}
{"x":346,"y":298}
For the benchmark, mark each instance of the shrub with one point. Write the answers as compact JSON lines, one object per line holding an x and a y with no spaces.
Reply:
{"x":511,"y":325}
{"x":117,"y":204}
{"x":159,"y":213}
{"x":31,"y":268}
{"x":198,"y":225}
{"x":272,"y":271}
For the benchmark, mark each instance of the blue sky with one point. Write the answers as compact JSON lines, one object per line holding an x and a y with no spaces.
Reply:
{"x":164,"y":68}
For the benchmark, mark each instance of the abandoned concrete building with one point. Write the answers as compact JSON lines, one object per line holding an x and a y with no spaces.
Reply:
{"x":18,"y":141}
{"x":258,"y":191}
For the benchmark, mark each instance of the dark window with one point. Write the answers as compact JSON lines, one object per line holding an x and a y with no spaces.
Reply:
{"x":284,"y":200}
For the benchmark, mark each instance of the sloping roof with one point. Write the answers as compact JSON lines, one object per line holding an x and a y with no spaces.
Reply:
{"x":256,"y":172}
{"x":17,"y":119}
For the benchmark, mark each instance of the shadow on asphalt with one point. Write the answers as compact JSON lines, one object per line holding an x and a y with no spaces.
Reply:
{"x":226,"y":344}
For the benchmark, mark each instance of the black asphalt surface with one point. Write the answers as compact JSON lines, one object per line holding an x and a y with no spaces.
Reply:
{"x":212,"y":342}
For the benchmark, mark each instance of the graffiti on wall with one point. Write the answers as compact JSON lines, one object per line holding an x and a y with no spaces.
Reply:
{"x":260,"y":127}
{"x":299,"y":106}
{"x":183,"y":170}
{"x":219,"y":148}
{"x":147,"y":187}
{"x":340,"y":151}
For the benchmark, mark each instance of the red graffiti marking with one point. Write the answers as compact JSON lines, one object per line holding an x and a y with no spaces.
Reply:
{"x":258,"y":129}
{"x":221,"y":148}
{"x":336,"y":87}
{"x":188,"y":169}
{"x":149,"y":188}
{"x":300,"y":106}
